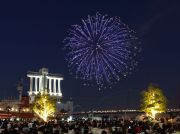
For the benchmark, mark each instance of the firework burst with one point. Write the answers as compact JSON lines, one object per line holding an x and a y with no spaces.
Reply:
{"x":101,"y":50}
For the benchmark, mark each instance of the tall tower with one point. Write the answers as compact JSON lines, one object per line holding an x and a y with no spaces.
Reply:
{"x":44,"y":81}
{"x":20,"y":89}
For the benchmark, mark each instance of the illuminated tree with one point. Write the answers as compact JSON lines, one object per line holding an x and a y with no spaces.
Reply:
{"x":153,"y":101}
{"x":44,"y":106}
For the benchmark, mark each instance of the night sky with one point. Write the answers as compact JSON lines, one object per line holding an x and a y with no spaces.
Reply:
{"x":31,"y":35}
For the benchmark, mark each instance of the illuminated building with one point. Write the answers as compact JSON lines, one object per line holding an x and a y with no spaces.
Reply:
{"x":39,"y":82}
{"x":16,"y":105}
{"x":44,"y":81}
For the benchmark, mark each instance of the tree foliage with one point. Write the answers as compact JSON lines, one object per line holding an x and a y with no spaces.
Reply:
{"x":44,"y":106}
{"x":153,"y":101}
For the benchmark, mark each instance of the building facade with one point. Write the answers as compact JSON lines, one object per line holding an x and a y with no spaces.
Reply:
{"x":40,"y":82}
{"x":16,"y":105}
{"x":43,"y":81}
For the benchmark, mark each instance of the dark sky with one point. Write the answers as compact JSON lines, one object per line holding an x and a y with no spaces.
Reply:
{"x":31,"y":35}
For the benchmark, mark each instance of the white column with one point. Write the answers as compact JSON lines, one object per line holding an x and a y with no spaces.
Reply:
{"x":50,"y":86}
{"x":36,"y":84}
{"x":54,"y":86}
{"x":59,"y":88}
{"x":31,"y":84}
{"x":39,"y":83}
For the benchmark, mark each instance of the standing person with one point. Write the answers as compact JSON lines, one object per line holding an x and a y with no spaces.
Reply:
{"x":71,"y":130}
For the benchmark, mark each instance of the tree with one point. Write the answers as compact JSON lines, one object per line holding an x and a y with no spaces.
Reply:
{"x":44,"y":106}
{"x":153,"y":101}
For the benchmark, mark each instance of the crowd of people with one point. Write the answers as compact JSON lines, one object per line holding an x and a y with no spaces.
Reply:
{"x":116,"y":126}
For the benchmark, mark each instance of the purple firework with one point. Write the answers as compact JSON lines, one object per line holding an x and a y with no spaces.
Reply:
{"x":101,"y":51}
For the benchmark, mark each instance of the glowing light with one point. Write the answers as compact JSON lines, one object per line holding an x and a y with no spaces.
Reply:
{"x":101,"y":51}
{"x":44,"y":107}
{"x":26,"y":110}
{"x":153,"y":101}
{"x":69,"y":119}
{"x":18,"y":119}
{"x":153,"y":113}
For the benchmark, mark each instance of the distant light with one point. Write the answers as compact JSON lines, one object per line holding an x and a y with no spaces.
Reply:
{"x":69,"y":119}
{"x":83,"y":118}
